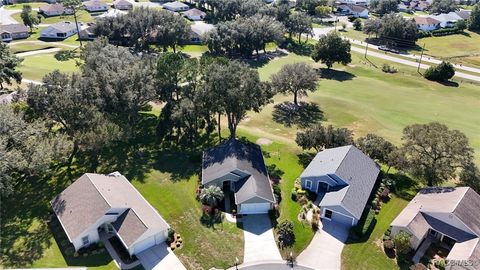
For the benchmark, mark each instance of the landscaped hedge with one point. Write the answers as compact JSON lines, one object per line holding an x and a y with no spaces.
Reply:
{"x":446,"y":32}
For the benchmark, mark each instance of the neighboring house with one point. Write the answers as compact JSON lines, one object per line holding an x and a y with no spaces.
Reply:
{"x":422,"y":6}
{"x":88,"y":33}
{"x":464,"y":14}
{"x":9,"y":32}
{"x":353,"y":10}
{"x":176,"y":6}
{"x":448,"y":217}
{"x":403,"y":8}
{"x":447,"y":20}
{"x":426,"y":23}
{"x":108,"y":203}
{"x":198,"y":31}
{"x":54,"y":10}
{"x":343,"y":178}
{"x":354,"y":2}
{"x":239,"y":167}
{"x":7,"y":98}
{"x":122,"y":5}
{"x":113,"y":13}
{"x":95,"y":6}
{"x":60,"y":30}
{"x":195,"y":14}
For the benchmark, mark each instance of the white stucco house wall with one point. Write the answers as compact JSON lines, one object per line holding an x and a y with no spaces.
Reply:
{"x":426,"y":23}
{"x":110,"y":203}
{"x":343,"y":177}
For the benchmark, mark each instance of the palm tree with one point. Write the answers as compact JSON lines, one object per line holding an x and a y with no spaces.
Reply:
{"x":211,"y":195}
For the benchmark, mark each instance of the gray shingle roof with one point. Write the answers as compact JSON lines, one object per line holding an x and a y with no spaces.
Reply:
{"x":13,"y":28}
{"x":129,"y":227}
{"x":175,"y":5}
{"x":247,"y":157}
{"x":355,"y":168}
{"x":90,"y":197}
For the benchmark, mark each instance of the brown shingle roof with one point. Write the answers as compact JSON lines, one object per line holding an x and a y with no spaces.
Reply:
{"x":426,"y":20}
{"x":13,"y":28}
{"x":129,"y":227}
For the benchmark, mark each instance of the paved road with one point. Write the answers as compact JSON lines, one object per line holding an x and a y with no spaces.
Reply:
{"x":391,"y":58}
{"x":6,"y":15}
{"x":325,"y":250}
{"x":38,"y":52}
{"x":271,"y":265}
{"x":159,"y":257}
{"x":260,"y":243}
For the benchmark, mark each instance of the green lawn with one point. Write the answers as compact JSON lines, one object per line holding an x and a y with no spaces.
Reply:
{"x":82,"y":16}
{"x":36,"y":66}
{"x":20,"y":6}
{"x":367,"y":255}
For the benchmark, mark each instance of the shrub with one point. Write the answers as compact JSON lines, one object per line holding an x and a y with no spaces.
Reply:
{"x":277,"y":192}
{"x":440,"y":264}
{"x":357,"y":24}
{"x":171,"y":235}
{"x":440,"y":73}
{"x":389,"y":69}
{"x":294,"y":195}
{"x":388,"y":232}
{"x":386,"y":237}
{"x":286,"y":236}
{"x":446,"y":32}
{"x":402,"y":242}
{"x":388,"y":244}
{"x":418,"y":266}
{"x":315,"y":223}
{"x":301,"y":192}
{"x":70,"y":251}
{"x":64,"y":55}
{"x":302,"y":200}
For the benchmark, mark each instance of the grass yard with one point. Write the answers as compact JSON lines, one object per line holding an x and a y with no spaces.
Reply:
{"x":36,"y":66}
{"x":27,"y":47}
{"x":82,"y":16}
{"x":368,"y":255}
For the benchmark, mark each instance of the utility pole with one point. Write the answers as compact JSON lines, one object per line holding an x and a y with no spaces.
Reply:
{"x":336,"y":20}
{"x":421,"y":56}
{"x":366,"y":48}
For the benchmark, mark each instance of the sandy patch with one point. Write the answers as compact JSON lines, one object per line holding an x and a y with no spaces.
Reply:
{"x":264,"y":141}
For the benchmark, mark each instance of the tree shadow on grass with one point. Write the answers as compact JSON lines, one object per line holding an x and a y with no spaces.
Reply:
{"x":404,"y":186}
{"x":337,"y":75}
{"x":449,"y":83}
{"x":258,"y":61}
{"x":305,"y":158}
{"x":304,"y":115}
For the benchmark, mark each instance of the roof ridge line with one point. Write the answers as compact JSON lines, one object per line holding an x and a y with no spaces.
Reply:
{"x":343,"y":159}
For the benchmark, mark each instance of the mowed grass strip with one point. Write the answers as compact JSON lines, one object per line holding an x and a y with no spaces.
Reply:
{"x":34,"y":67}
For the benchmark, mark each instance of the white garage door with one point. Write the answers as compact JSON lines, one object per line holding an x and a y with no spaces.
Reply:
{"x":254,"y":208}
{"x":339,"y":218}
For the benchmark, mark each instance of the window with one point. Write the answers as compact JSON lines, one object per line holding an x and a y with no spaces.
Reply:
{"x":308,"y":184}
{"x":328,"y":214}
{"x":85,"y":240}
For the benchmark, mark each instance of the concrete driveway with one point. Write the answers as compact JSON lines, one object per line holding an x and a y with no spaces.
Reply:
{"x":325,"y":250}
{"x":260,"y":243}
{"x":159,"y":257}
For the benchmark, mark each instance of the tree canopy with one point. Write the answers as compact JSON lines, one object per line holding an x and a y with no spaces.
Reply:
{"x":435,"y":153}
{"x":332,"y":48}
{"x":299,"y":23}
{"x":28,"y":18}
{"x":474,"y":20}
{"x":375,"y":147}
{"x":442,"y":6}
{"x":296,"y":79}
{"x":319,"y":137}
{"x":8,"y":66}
{"x":441,"y":72}
{"x":383,"y":7}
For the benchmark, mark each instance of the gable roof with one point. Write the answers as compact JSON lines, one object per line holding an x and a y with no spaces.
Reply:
{"x":461,"y":202}
{"x":52,"y":7}
{"x":354,"y":167}
{"x":81,"y":204}
{"x":122,"y":3}
{"x":60,"y":27}
{"x":194,"y":12}
{"x":175,"y":5}
{"x":95,"y":3}
{"x":234,"y":155}
{"x":358,"y":9}
{"x":13,"y":28}
{"x":426,"y":20}
{"x":464,"y":14}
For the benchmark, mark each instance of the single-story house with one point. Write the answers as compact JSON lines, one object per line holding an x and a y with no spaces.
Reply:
{"x":464,"y":14}
{"x":9,"y":32}
{"x":95,"y":6}
{"x":239,"y":167}
{"x":343,"y":177}
{"x":422,"y":6}
{"x":354,"y":2}
{"x":88,"y":32}
{"x":113,"y":13}
{"x":54,"y":10}
{"x":108,"y":203}
{"x":426,"y":23}
{"x":176,"y":6}
{"x":198,"y":31}
{"x":353,"y":10}
{"x":449,"y":217}
{"x":7,"y":98}
{"x":122,"y":5}
{"x":195,"y":14}
{"x":447,"y":20}
{"x":60,"y":30}
{"x":403,"y":8}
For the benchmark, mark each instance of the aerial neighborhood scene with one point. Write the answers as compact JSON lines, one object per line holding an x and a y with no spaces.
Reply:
{"x":240,"y":134}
